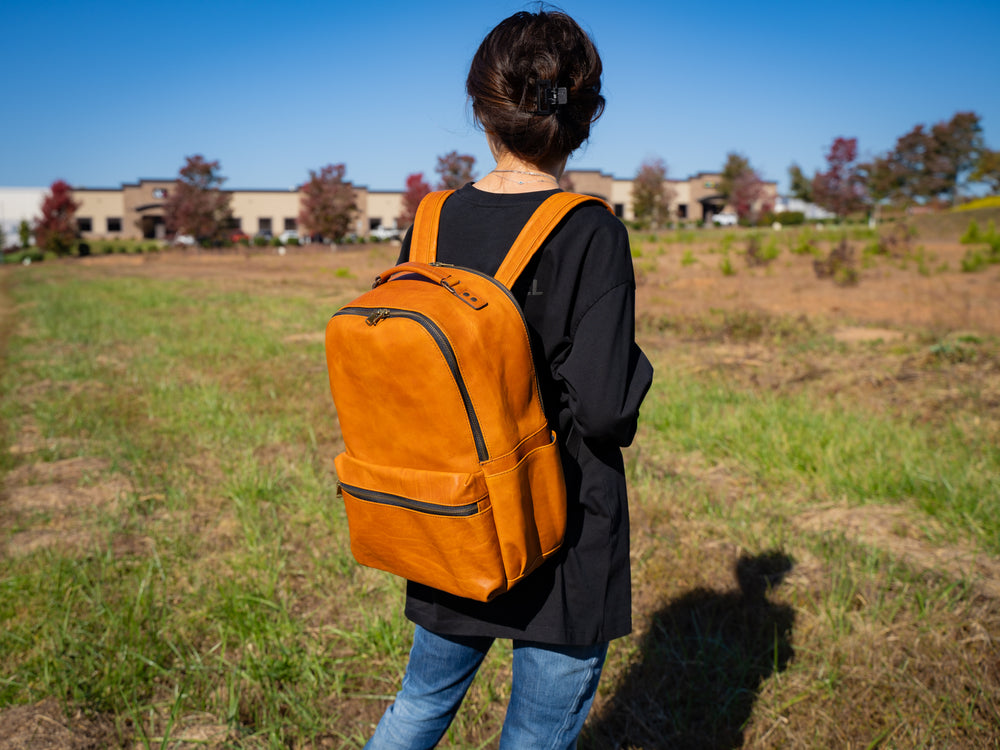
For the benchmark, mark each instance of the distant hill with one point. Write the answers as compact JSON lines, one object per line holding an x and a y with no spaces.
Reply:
{"x":949,"y":225}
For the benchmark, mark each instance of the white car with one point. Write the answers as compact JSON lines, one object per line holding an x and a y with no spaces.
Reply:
{"x":184,"y":239}
{"x":725,"y":220}
{"x":385,"y":233}
{"x":287,"y":236}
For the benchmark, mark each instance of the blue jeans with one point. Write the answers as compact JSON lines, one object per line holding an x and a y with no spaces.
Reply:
{"x":553,"y":688}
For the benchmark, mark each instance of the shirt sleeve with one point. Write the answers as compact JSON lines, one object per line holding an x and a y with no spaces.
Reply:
{"x":604,"y":372}
{"x":601,"y":369}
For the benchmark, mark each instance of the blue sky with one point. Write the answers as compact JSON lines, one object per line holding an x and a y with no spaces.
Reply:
{"x":100,"y":93}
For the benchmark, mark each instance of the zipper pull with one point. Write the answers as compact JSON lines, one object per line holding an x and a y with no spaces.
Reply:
{"x":377,"y":315}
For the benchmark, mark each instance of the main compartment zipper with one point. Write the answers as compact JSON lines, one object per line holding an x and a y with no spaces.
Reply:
{"x":374,"y":316}
{"x":386,"y":498}
{"x":517,"y":306}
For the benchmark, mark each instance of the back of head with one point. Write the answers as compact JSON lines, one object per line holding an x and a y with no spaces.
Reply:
{"x":503,"y":84}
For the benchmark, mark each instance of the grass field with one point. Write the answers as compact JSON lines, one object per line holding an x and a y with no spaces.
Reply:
{"x":815,"y":496}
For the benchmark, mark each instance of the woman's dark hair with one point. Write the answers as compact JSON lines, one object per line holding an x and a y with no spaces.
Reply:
{"x":503,"y":85}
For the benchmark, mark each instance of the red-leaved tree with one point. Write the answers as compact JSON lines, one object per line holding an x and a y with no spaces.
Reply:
{"x":416,"y":189}
{"x":841,"y":188}
{"x":197,"y":206}
{"x":929,"y":164}
{"x":956,"y":146}
{"x":455,"y":169}
{"x":56,"y":229}
{"x":327,"y":206}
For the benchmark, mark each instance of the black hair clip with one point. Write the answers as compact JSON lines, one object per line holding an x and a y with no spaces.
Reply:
{"x":549,"y":98}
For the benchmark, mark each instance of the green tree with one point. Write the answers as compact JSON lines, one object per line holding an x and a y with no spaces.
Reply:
{"x":24,"y":234}
{"x":799,"y":185}
{"x":735,"y":167}
{"x":651,"y":196}
{"x":743,"y":188}
{"x":987,"y":170}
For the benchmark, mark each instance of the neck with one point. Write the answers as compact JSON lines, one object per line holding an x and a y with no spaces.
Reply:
{"x":513,"y":175}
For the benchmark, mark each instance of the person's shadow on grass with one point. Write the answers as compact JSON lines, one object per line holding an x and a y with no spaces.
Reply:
{"x":701,"y":666}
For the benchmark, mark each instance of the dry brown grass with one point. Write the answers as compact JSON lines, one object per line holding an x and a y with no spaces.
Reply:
{"x":764,"y":617}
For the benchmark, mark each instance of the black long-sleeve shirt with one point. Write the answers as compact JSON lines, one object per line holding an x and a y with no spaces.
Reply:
{"x":578,"y":298}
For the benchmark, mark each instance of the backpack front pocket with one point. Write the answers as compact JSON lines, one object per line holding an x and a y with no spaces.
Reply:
{"x":435,"y":528}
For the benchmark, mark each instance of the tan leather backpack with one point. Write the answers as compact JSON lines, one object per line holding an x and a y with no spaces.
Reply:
{"x":451,"y":475}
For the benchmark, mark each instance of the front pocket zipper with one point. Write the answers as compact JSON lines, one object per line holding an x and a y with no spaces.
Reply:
{"x":385,"y":498}
{"x":375,"y":316}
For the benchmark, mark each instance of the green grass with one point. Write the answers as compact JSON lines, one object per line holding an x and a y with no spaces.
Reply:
{"x":182,"y":388}
{"x":833,"y":451}
{"x":210,"y":575}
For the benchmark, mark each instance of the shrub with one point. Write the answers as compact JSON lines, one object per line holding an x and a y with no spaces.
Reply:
{"x":804,"y":243}
{"x":971,"y":234}
{"x":30,"y":254}
{"x":761,"y":256}
{"x":790,"y":218}
{"x":726,"y":266}
{"x":977,"y":260}
{"x":839,"y":265}
{"x":893,"y":241}
{"x":992,"y":238}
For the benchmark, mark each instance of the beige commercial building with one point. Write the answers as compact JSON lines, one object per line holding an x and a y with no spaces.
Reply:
{"x":135,"y":210}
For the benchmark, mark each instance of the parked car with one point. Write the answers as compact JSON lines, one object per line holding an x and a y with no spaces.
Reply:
{"x":239,"y":236}
{"x":184,"y":239}
{"x":289,"y":237}
{"x":384,"y":233}
{"x":725,"y":220}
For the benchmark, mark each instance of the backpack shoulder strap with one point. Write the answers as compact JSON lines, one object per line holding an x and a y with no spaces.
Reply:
{"x":423,"y":239}
{"x":546,"y":218}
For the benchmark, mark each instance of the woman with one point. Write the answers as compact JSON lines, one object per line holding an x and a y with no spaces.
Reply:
{"x":535,"y":87}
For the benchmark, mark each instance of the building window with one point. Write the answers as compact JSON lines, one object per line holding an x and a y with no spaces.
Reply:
{"x":264,"y":224}
{"x":84,"y":224}
{"x":159,"y":193}
{"x":290,"y":224}
{"x":374,"y":223}
{"x":619,"y":210}
{"x":682,"y":210}
{"x":114,"y":224}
